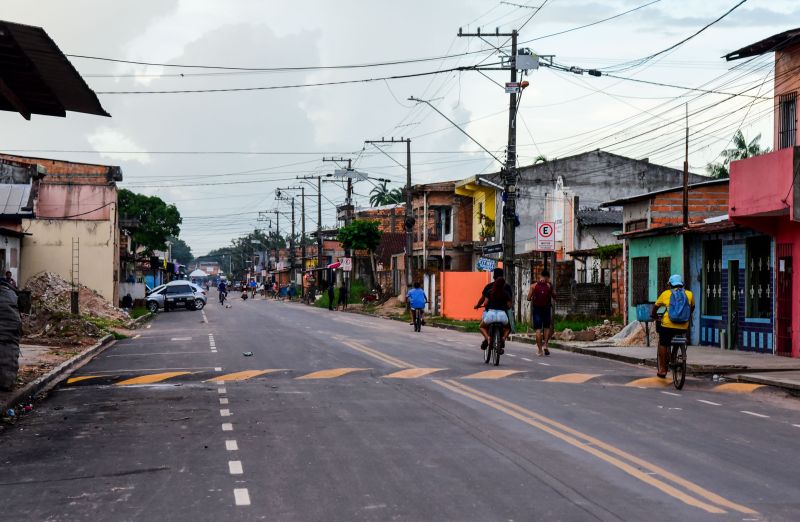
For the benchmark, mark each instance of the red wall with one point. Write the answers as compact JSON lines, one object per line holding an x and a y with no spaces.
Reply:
{"x":787,"y":80}
{"x":759,"y":185}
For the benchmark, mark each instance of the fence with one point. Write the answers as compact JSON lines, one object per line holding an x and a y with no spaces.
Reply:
{"x":460,"y":291}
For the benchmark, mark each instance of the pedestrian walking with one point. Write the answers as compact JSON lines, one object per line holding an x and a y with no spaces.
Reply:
{"x":331,"y":296}
{"x":542,"y":296}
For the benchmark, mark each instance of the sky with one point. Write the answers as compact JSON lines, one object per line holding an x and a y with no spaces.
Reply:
{"x":220,"y":156}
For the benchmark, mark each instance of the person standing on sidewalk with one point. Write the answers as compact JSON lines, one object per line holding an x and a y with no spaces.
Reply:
{"x":331,"y":296}
{"x":10,"y":331}
{"x":541,"y":295}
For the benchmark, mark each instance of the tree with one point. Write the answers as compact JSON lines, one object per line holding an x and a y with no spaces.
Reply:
{"x":741,"y":149}
{"x":157,"y":221}
{"x":381,"y":195}
{"x":181,"y":251}
{"x":363,"y":235}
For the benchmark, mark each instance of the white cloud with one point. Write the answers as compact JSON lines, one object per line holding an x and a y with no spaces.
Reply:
{"x":110,"y":140}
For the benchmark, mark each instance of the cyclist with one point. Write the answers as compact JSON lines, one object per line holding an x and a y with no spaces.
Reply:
{"x":416,"y":300}
{"x":497,"y":297}
{"x":223,"y":292}
{"x":679,"y":304}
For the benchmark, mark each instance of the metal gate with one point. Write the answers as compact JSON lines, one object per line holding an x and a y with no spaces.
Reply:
{"x":733,"y":305}
{"x":783,"y":346}
{"x":640,"y":280}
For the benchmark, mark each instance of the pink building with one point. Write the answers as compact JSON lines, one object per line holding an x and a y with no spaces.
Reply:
{"x":765,"y":194}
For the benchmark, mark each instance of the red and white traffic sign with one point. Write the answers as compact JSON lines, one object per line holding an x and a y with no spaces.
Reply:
{"x":545,"y":236}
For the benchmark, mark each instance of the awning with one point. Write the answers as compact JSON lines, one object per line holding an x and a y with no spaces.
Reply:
{"x":36,"y":77}
{"x":334,"y":265}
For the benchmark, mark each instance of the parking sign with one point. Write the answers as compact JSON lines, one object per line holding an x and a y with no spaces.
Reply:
{"x":545,"y":236}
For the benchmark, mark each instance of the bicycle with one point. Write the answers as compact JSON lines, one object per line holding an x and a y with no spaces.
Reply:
{"x":677,"y":360}
{"x":417,"y":316}
{"x":492,"y":352}
{"x":222,"y":297}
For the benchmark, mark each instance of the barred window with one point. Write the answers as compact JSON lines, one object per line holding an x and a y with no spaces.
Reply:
{"x":712,"y":277}
{"x":758,"y":277}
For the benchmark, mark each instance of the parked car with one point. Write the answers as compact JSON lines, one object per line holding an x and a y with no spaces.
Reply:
{"x":174,"y":294}
{"x":237,"y":286}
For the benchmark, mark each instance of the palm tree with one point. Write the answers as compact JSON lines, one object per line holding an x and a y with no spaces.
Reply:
{"x":381,"y":195}
{"x":741,"y":149}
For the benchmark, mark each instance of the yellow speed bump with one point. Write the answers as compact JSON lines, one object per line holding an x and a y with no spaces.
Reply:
{"x":330,"y":374}
{"x":150,"y":379}
{"x":737,"y":387}
{"x":241,"y":376}
{"x":413,"y":373}
{"x":650,"y":382}
{"x":573,"y":378}
{"x":492,"y":374}
{"x":81,"y":378}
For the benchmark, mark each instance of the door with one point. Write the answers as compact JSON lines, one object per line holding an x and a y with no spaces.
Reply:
{"x":783,"y":345}
{"x":733,"y":305}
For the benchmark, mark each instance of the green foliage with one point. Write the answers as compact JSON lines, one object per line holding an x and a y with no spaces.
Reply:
{"x":469,"y":326}
{"x":381,"y":195}
{"x":157,"y":220}
{"x":181,"y":251}
{"x":741,"y":149}
{"x":608,"y":251}
{"x":357,"y":291}
{"x":138,"y":312}
{"x":360,"y":235}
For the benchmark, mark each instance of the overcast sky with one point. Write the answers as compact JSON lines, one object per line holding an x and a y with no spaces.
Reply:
{"x":285,"y":133}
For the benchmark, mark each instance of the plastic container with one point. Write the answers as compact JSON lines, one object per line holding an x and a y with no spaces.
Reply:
{"x":643,"y":312}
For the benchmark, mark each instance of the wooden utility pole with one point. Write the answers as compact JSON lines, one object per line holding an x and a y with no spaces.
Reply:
{"x":409,"y":219}
{"x":686,"y":174}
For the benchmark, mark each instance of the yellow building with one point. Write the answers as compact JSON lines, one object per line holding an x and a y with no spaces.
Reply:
{"x":484,"y":207}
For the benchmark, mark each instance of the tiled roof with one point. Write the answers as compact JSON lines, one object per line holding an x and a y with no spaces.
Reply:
{"x":391,"y":243}
{"x":590,"y":218}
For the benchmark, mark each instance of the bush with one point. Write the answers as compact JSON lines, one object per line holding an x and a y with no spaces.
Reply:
{"x":357,"y":291}
{"x":138,"y":312}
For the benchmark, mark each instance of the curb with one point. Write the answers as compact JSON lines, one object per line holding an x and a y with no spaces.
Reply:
{"x":433,"y":324}
{"x":55,"y":376}
{"x":758,"y":380}
{"x":136,"y":323}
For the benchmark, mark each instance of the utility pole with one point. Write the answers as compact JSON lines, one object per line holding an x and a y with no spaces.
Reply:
{"x":686,"y":174}
{"x":510,"y":173}
{"x":277,"y":234}
{"x":409,"y":220}
{"x":320,"y":257}
{"x":348,"y":209}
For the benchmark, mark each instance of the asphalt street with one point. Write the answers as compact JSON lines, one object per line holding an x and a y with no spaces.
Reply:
{"x":339,"y":416}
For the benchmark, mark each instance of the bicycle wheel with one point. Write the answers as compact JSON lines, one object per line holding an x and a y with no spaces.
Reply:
{"x":678,"y":363}
{"x":496,"y":338}
{"x":487,"y":353}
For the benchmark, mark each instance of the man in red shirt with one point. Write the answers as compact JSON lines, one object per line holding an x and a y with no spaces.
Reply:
{"x":541,"y":295}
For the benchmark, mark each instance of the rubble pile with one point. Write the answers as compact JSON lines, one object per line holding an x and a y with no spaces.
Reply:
{"x":50,"y":320}
{"x":606,"y":330}
{"x":593,"y":333}
{"x":634,"y":335}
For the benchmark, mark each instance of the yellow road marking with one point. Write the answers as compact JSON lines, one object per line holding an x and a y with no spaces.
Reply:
{"x":492,"y":374}
{"x":737,"y":387}
{"x":241,"y":376}
{"x":650,"y":382}
{"x":82,"y":378}
{"x":331,"y":374}
{"x":530,"y":417}
{"x":573,"y":378}
{"x":150,"y":379}
{"x":413,"y":373}
{"x":388,"y":359}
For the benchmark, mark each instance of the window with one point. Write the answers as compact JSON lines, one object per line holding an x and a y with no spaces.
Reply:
{"x":712,"y":278}
{"x":637,"y":224}
{"x":444,"y":224}
{"x":664,"y":271}
{"x":787,"y":114}
{"x":2,"y":262}
{"x":640,"y":275}
{"x":758,"y":278}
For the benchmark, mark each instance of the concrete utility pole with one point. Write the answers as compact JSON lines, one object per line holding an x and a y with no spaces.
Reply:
{"x":409,"y":220}
{"x":348,"y":209}
{"x":510,"y":173}
{"x":320,"y":257}
{"x":686,"y":174}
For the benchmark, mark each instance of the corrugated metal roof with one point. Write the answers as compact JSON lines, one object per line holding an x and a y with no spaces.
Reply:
{"x":770,"y":44}
{"x":40,"y":78}
{"x":15,"y":199}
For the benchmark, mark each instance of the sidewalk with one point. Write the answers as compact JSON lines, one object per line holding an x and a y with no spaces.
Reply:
{"x":752,"y":367}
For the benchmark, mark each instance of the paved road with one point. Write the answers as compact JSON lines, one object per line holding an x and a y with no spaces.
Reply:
{"x":345,"y":417}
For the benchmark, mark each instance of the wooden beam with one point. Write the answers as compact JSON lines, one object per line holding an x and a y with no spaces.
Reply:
{"x":14,"y":100}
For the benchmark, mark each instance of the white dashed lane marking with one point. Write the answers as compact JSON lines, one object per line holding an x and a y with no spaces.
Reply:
{"x":796,"y":425}
{"x":671,"y":393}
{"x":545,"y":364}
{"x":754,"y":414}
{"x":222,"y":391}
{"x":709,"y":402}
{"x":231,"y":445}
{"x":227,"y":426}
{"x":225,"y":413}
{"x":526,"y":359}
{"x":218,"y":369}
{"x":181,"y":339}
{"x":241,"y":496}
{"x":235,"y":467}
{"x":223,"y":400}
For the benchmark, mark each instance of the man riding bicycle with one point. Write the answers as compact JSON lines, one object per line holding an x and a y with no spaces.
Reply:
{"x":679,"y":304}
{"x":416,"y":300}
{"x":223,"y":291}
{"x":497,"y":297}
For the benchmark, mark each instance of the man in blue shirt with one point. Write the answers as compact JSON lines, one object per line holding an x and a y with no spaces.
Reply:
{"x":416,"y":300}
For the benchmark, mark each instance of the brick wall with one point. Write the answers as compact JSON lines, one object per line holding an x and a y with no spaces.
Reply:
{"x":59,"y":171}
{"x":390,"y":219}
{"x":704,"y":202}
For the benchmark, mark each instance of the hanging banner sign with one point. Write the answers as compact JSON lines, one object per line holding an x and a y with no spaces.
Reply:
{"x":486,"y":265}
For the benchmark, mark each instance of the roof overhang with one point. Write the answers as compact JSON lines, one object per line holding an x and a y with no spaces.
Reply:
{"x":773,"y":43}
{"x":36,"y":77}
